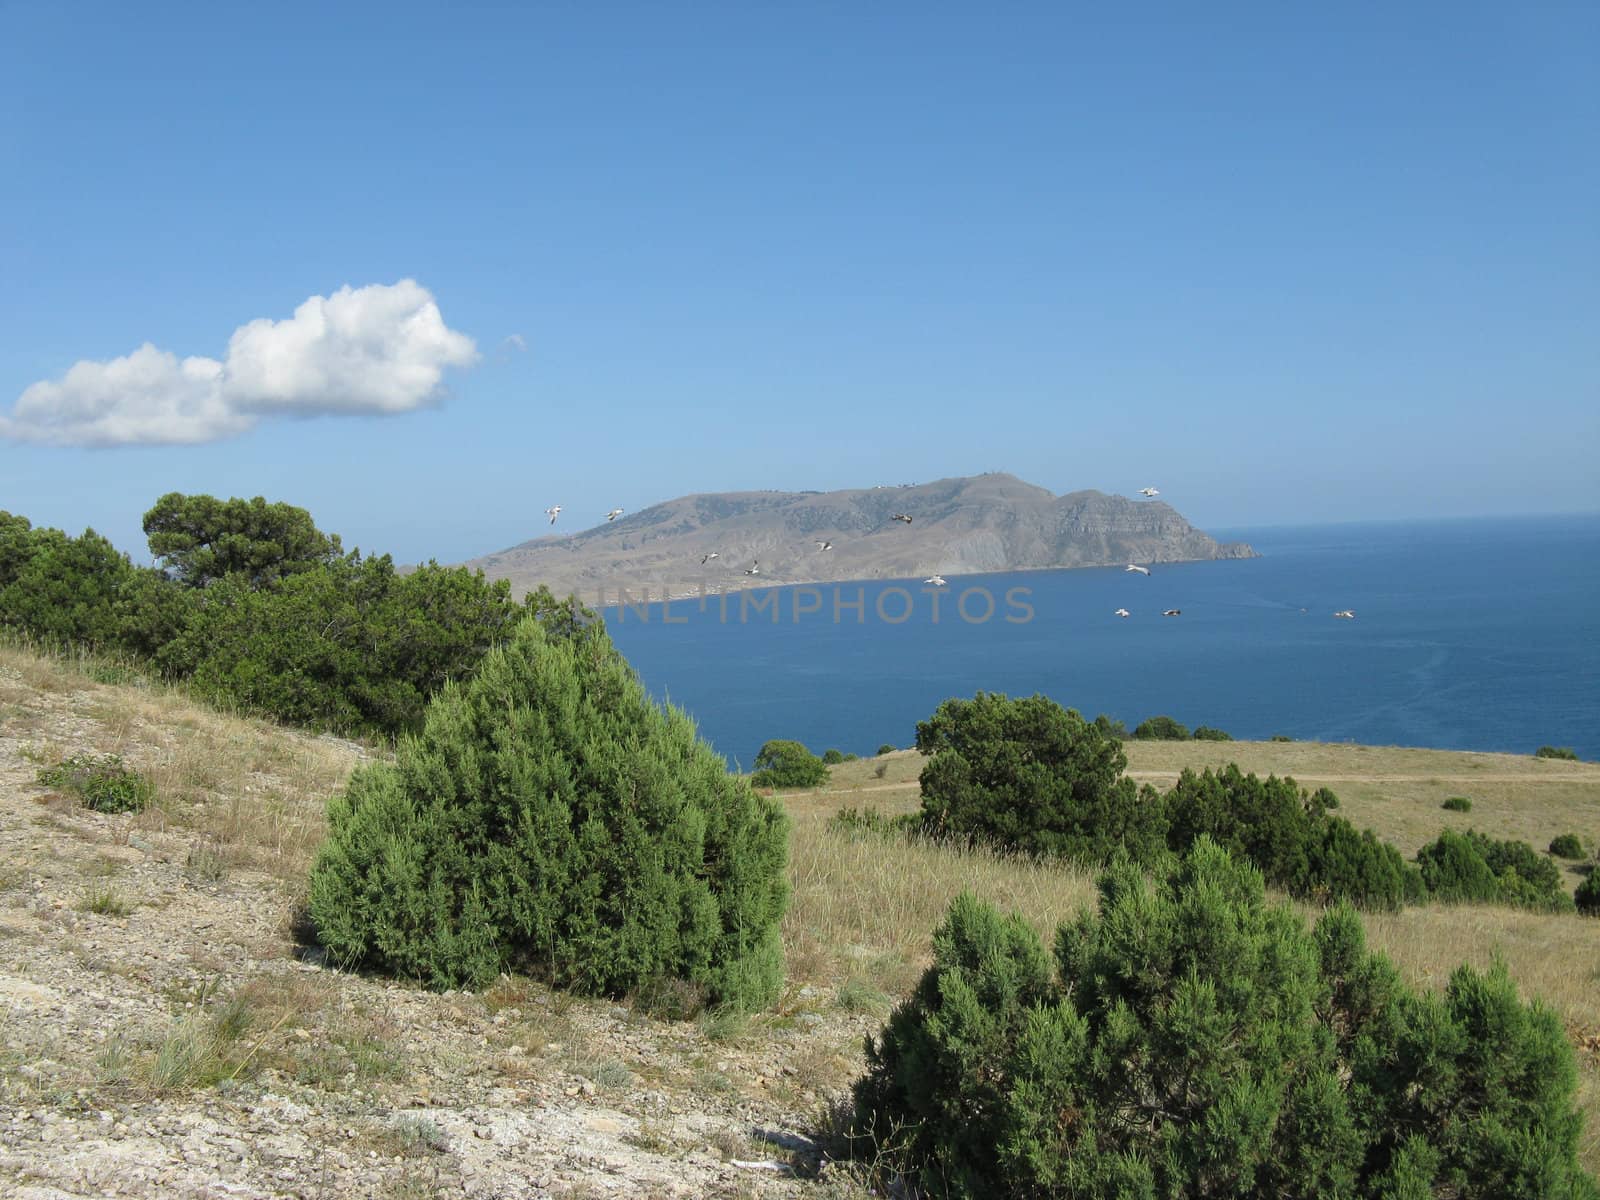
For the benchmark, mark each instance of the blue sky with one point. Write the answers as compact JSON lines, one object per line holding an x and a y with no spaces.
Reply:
{"x":1286,"y":262}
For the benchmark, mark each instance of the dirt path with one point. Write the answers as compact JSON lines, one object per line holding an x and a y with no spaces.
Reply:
{"x":1300,"y":776}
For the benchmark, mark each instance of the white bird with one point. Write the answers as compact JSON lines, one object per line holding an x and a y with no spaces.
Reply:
{"x":614,"y":514}
{"x":1172,"y":612}
{"x":553,"y":513}
{"x":754,"y":568}
{"x":1152,"y":493}
{"x":1141,"y":570}
{"x":821,"y":545}
{"x":901,"y":517}
{"x":709,"y":557}
{"x":1349,"y":614}
{"x":935,"y":580}
{"x":1122,"y":612}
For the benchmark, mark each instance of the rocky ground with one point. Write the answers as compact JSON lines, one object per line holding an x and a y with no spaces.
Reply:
{"x":162,"y":1034}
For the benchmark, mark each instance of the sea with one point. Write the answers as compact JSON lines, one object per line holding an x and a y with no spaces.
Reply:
{"x":1470,"y":634}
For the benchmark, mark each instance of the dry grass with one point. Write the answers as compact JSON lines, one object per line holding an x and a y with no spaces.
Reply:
{"x":1398,"y":791}
{"x":863,"y":908}
{"x":253,"y":792}
{"x":866,"y":899}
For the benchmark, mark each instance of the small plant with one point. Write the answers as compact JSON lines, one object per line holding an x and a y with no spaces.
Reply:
{"x":1204,"y":733}
{"x":410,"y":1136}
{"x":833,"y":757}
{"x":1567,"y":846}
{"x":879,"y":771}
{"x":1280,"y":737}
{"x":886,"y":748}
{"x":1587,"y":897}
{"x":116,"y":673}
{"x":1565,"y":753}
{"x":723,"y":1025}
{"x":205,"y":863}
{"x":669,"y":998}
{"x":858,"y":996}
{"x":869,"y":821}
{"x":104,"y":902}
{"x":101,"y":782}
{"x":1457,"y":804}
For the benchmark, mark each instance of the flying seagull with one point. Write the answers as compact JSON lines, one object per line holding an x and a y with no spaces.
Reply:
{"x":709,"y":557}
{"x":754,"y":567}
{"x":1122,"y":612}
{"x":901,"y":517}
{"x":1141,"y":570}
{"x":1349,"y":614}
{"x":935,"y":580}
{"x":553,"y":513}
{"x":614,"y":514}
{"x":1171,"y":612}
{"x":1151,"y":493}
{"x":822,"y":545}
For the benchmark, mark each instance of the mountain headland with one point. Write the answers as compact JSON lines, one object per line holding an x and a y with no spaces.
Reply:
{"x":960,"y":526}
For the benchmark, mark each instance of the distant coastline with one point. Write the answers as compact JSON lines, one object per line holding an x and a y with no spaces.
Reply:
{"x":982,"y":524}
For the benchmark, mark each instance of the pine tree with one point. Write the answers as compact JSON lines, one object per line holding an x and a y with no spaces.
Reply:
{"x":550,"y":818}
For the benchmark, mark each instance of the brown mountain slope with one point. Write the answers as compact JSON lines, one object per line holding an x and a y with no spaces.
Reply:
{"x":960,"y":526}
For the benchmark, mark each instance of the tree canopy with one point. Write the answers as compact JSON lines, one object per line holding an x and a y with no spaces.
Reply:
{"x":201,"y":539}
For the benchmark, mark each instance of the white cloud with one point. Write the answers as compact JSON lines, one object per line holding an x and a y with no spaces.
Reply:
{"x":373,"y":350}
{"x":515,"y":341}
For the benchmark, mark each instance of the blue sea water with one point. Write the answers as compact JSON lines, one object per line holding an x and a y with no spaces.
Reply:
{"x":1468,"y":634}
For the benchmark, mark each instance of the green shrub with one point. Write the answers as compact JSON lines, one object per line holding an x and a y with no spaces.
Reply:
{"x":103,"y":783}
{"x":1111,"y":727}
{"x":61,"y":590}
{"x":1280,"y":737}
{"x":1562,"y":752}
{"x":1161,"y":729}
{"x":351,"y":645}
{"x":782,"y":763}
{"x":551,"y":820}
{"x":833,"y":757}
{"x":1341,"y":864}
{"x":1587,"y":898}
{"x":1204,"y":733}
{"x":851,"y":757}
{"x":1471,"y":866}
{"x":1191,"y":1040}
{"x":1457,"y":804}
{"x":886,"y":748}
{"x":1289,"y":837}
{"x":1030,"y":776}
{"x":1567,"y":846}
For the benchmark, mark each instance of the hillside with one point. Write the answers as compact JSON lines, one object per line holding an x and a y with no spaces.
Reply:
{"x":960,"y":526}
{"x":166,"y":1035}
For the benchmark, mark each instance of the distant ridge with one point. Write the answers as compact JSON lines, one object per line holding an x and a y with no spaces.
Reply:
{"x":961,"y":526}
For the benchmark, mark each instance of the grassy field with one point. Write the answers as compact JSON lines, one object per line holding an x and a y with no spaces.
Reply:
{"x":1398,"y":791}
{"x":863,"y":907}
{"x":877,"y":899}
